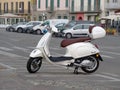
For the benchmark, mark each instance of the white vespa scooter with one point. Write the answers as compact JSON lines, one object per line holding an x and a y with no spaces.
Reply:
{"x":80,"y":52}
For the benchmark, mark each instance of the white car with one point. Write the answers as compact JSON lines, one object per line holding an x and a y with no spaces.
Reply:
{"x":20,"y":28}
{"x":39,"y":29}
{"x":76,"y":31}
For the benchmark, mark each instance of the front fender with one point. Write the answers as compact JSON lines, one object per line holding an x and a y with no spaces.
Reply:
{"x":36,"y":53}
{"x":98,"y":56}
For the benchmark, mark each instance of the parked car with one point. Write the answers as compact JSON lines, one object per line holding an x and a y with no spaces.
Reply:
{"x":29,"y":29}
{"x":40,"y":29}
{"x":76,"y":31}
{"x":3,"y":26}
{"x":60,"y":28}
{"x":21,"y":28}
{"x":75,"y":22}
{"x":11,"y":28}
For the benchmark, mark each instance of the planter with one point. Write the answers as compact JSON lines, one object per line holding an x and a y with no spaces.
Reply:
{"x":111,"y":31}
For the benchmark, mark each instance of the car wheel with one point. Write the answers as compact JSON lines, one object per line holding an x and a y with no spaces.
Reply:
{"x":19,"y":30}
{"x":38,"y":32}
{"x":68,"y":35}
{"x":11,"y":29}
{"x":27,"y":31}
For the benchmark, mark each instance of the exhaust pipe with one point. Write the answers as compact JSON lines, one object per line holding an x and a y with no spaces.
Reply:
{"x":85,"y":63}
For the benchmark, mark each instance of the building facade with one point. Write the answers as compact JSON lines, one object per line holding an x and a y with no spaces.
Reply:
{"x":47,"y":9}
{"x":112,"y":7}
{"x":90,"y":10}
{"x":86,"y":9}
{"x":17,"y":7}
{"x":70,"y":9}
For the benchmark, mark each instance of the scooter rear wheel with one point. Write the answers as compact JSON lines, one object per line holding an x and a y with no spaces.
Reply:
{"x":94,"y":65}
{"x":34,"y":64}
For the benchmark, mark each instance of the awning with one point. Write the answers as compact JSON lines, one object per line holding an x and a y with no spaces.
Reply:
{"x":9,"y":15}
{"x":111,"y":17}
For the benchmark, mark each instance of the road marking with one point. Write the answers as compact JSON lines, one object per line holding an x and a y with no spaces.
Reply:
{"x":107,"y":77}
{"x":106,"y":56}
{"x":31,"y":47}
{"x":115,"y":53}
{"x":27,"y":50}
{"x":7,"y":66}
{"x":22,"y":49}
{"x":110,"y":47}
{"x":33,"y":82}
{"x":11,"y":54}
{"x":110,"y":74}
{"x":6,"y":49}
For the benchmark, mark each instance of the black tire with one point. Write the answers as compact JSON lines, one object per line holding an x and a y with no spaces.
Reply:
{"x":93,"y":67}
{"x":19,"y":30}
{"x":68,"y":35}
{"x":38,"y":32}
{"x":11,"y":29}
{"x":28,"y":31}
{"x":34,"y":64}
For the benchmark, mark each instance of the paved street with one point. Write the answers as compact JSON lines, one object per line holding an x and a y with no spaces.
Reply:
{"x":14,"y":53}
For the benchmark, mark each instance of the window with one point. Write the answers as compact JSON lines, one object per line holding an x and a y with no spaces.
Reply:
{"x":12,"y":5}
{"x":65,"y":17}
{"x":52,"y":5}
{"x":30,"y":23}
{"x":86,"y":26}
{"x":46,"y":3}
{"x":0,"y":9}
{"x":59,"y":17}
{"x":99,"y":4}
{"x":21,"y":7}
{"x":89,"y":5}
{"x":115,"y":1}
{"x":16,"y":7}
{"x":78,"y":27}
{"x":40,"y":18}
{"x":5,"y":7}
{"x":96,"y":5}
{"x":29,"y":7}
{"x":35,"y":23}
{"x":89,"y":18}
{"x":73,"y":17}
{"x":39,"y":2}
{"x":72,"y":4}
{"x":82,"y":5}
{"x":58,"y":3}
{"x":66,"y":3}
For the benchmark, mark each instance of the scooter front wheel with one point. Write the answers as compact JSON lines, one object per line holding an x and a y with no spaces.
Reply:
{"x":34,"y":64}
{"x":93,"y":66}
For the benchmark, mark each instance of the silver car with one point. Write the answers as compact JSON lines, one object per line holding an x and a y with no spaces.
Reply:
{"x":76,"y":31}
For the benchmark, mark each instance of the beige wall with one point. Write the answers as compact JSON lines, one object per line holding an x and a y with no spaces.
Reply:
{"x":14,"y":1}
{"x":26,"y":14}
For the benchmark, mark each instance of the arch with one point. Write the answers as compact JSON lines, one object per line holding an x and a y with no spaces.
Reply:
{"x":80,"y":18}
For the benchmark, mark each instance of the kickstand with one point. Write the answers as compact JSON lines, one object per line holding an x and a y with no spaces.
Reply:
{"x":76,"y":70}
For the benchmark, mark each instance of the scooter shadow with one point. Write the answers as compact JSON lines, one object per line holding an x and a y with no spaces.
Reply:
{"x":62,"y":73}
